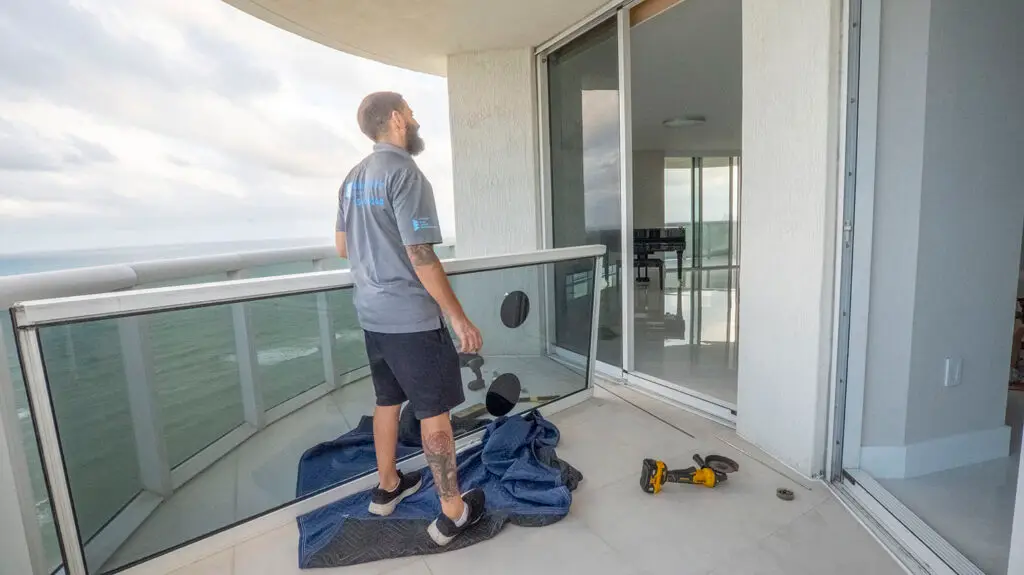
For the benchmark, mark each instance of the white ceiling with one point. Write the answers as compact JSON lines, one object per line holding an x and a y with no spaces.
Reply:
{"x":420,"y":34}
{"x":688,"y":60}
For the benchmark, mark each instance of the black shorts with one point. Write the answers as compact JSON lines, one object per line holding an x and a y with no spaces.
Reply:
{"x":421,"y":367}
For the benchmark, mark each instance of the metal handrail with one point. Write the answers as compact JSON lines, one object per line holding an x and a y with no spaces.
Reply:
{"x":112,"y":277}
{"x":119,"y":304}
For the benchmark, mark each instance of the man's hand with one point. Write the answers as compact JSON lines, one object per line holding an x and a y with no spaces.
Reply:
{"x":470,"y":340}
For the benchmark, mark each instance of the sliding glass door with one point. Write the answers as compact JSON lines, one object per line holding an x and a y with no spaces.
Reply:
{"x":686,"y":273}
{"x":585,"y":183}
{"x":628,"y":166}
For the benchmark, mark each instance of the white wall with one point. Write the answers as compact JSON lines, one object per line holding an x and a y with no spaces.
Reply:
{"x":493,"y":118}
{"x":949,"y":206}
{"x":898,"y":164}
{"x":791,"y":54}
{"x":971,"y":212}
{"x":649,"y":189}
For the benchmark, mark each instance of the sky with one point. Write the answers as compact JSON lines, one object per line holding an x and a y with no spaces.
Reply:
{"x":147,"y":122}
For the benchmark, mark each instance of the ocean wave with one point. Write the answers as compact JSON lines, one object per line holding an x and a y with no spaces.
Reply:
{"x":283,"y":354}
{"x":349,"y":336}
{"x":274,"y":356}
{"x":44,"y":512}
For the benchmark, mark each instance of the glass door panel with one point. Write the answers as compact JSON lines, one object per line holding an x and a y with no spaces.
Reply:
{"x":583,"y":99}
{"x":685,"y":303}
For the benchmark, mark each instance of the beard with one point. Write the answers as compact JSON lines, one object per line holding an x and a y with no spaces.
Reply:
{"x":413,"y":142}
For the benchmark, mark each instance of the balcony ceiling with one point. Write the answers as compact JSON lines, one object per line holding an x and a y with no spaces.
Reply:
{"x":420,"y":34}
{"x":689,"y":61}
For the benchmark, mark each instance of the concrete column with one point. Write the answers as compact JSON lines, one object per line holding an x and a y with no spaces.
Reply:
{"x":492,"y":100}
{"x":791,"y":76}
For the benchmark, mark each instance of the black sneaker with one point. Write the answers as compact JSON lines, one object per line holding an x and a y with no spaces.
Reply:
{"x":443,"y":529}
{"x":383,"y":503}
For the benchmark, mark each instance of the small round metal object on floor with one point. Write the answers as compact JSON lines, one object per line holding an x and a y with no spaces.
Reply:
{"x":784,"y":494}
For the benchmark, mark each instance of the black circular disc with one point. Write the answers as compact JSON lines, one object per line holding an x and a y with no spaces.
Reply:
{"x":721,"y":464}
{"x":515,"y":308}
{"x":503,"y":395}
{"x":785,"y":494}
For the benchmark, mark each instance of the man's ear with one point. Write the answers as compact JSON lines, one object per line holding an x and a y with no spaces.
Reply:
{"x":397,"y":121}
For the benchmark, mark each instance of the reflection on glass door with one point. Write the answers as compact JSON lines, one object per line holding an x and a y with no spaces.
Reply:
{"x":583,"y":100}
{"x":686,"y":296}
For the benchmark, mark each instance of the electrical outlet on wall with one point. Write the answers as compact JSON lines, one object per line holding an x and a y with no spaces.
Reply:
{"x":954,"y":370}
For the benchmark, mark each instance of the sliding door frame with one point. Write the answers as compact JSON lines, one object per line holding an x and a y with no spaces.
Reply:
{"x":910,"y":538}
{"x":716,"y":409}
{"x":541,"y":55}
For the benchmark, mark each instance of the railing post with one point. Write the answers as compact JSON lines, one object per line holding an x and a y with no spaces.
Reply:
{"x":248,"y":366}
{"x":21,"y":547}
{"x":331,"y":375}
{"x":595,"y":318}
{"x":150,"y":446}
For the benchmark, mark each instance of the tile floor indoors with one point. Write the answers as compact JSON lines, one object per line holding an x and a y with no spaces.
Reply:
{"x":614,"y":528}
{"x":260,"y":474}
{"x":664,"y":324}
{"x":978,"y":521}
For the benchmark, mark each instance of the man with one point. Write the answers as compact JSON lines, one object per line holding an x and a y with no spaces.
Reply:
{"x":387,"y":227}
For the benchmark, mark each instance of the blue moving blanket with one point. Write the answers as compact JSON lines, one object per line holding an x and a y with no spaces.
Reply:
{"x":516,"y":466}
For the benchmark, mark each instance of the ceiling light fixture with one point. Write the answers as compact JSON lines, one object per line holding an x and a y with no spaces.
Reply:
{"x":684,"y":121}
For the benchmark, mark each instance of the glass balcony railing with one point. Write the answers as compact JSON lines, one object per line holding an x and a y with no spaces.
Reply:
{"x":171,"y":413}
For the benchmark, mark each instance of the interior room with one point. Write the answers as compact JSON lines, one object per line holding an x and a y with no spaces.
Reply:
{"x":686,"y":80}
{"x":939,"y":242}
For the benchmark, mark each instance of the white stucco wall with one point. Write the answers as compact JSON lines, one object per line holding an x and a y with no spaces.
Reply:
{"x":493,"y":121}
{"x":791,"y":61}
{"x":492,"y":101}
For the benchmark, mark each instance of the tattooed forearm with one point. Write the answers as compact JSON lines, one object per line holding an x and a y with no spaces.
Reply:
{"x":422,"y":255}
{"x":439,"y":449}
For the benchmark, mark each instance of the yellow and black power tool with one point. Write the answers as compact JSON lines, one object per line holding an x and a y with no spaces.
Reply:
{"x":709,"y":472}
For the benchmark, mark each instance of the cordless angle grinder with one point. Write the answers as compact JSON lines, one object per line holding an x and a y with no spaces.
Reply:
{"x":709,"y":472}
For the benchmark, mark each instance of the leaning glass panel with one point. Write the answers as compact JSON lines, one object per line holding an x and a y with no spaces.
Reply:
{"x":86,"y":369}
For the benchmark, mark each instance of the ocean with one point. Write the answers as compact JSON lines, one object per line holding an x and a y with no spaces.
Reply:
{"x":195,"y":372}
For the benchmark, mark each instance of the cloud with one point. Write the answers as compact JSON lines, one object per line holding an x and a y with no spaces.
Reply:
{"x":22,"y":148}
{"x":142,"y":121}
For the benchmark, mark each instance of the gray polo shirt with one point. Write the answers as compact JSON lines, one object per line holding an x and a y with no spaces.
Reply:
{"x":384,"y":205}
